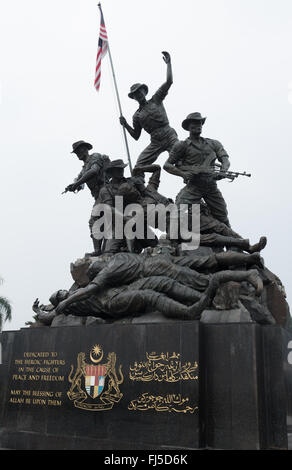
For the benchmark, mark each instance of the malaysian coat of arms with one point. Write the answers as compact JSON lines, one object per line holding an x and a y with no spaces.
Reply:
{"x":95,"y":385}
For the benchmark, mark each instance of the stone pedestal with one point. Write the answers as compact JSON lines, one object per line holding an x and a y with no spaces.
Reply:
{"x":243,"y":380}
{"x":175,"y":385}
{"x":120,"y":386}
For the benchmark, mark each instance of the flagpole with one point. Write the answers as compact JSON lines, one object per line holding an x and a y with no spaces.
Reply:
{"x":118,"y":99}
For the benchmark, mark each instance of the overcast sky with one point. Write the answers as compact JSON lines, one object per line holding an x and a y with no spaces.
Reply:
{"x":232,"y":61}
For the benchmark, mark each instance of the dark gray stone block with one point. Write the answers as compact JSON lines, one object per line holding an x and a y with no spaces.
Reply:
{"x":178,"y":385}
{"x":236,"y":315}
{"x":149,"y":400}
{"x":244,"y":407}
{"x":67,"y":320}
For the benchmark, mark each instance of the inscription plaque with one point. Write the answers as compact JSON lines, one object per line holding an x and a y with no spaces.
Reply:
{"x":111,"y":386}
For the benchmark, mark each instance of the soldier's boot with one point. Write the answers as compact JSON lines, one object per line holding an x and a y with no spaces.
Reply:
{"x":196,"y":310}
{"x":231,"y":258}
{"x":233,"y":243}
{"x":171,"y":308}
{"x":258,"y":246}
{"x":244,"y":244}
{"x":254,"y":279}
{"x":252,"y":276}
{"x":183,"y":293}
{"x":241,"y":243}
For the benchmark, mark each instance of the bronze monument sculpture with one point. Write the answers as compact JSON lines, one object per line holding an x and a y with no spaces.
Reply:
{"x":129,"y":275}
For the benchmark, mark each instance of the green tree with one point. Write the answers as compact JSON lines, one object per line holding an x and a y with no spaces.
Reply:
{"x":5,"y":309}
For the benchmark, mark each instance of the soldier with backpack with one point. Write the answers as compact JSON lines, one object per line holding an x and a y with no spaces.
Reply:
{"x":93,"y":175}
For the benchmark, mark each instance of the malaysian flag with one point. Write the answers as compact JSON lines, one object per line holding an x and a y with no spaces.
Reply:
{"x":101,"y":51}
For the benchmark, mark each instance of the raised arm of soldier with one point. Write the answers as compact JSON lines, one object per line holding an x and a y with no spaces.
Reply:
{"x":169,"y":75}
{"x":46,"y":313}
{"x":43,"y":314}
{"x":139,"y":91}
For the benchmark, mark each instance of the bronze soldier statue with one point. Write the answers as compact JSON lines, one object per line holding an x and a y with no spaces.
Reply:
{"x":205,"y":263}
{"x":130,"y":267}
{"x":151,"y":116}
{"x":128,"y":189}
{"x":161,"y":281}
{"x":153,"y":293}
{"x":152,"y":283}
{"x":216,"y":234}
{"x":93,"y":175}
{"x":149,"y":294}
{"x":193,"y":160}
